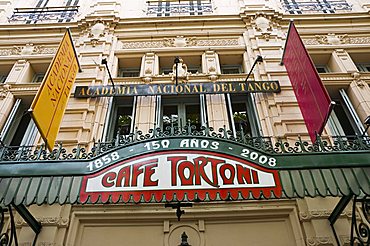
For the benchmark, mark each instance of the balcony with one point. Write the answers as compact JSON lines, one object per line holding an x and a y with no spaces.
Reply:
{"x":176,"y":9}
{"x":43,"y":15}
{"x":320,"y":6}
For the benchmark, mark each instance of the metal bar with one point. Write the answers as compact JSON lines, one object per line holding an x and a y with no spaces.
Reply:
{"x":342,"y":204}
{"x":286,"y":42}
{"x":331,"y":106}
{"x":104,"y":62}
{"x":258,"y":59}
{"x":27,"y":216}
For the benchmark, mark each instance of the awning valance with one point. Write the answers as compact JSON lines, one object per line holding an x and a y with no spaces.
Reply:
{"x":183,"y":168}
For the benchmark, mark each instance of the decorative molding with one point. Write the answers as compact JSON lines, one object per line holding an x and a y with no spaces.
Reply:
{"x":263,"y":24}
{"x":4,"y":90}
{"x":317,"y":241}
{"x":332,"y":38}
{"x":360,"y":40}
{"x":339,"y":39}
{"x":320,"y":214}
{"x":180,"y":40}
{"x":357,"y":79}
{"x":345,"y":240}
{"x":28,"y":49}
{"x":39,"y":244}
{"x":46,"y":221}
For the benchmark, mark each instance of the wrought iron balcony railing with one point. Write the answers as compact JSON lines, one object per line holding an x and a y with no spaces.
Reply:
{"x":266,"y":144}
{"x":319,"y":6}
{"x":46,"y":14}
{"x":173,"y":8}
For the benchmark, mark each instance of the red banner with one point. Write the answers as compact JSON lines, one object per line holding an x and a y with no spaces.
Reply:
{"x":312,"y":97}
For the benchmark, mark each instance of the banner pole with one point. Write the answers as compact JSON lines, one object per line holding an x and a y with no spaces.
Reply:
{"x":286,"y":41}
{"x":331,"y":106}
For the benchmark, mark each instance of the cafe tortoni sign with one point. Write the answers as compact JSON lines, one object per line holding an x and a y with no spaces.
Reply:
{"x":180,"y":169}
{"x":172,"y":89}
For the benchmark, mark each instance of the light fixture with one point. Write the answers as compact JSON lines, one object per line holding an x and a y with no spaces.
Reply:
{"x":176,"y":61}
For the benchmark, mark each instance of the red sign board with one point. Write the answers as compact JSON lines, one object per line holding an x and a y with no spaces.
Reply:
{"x":312,"y":97}
{"x":188,"y":175}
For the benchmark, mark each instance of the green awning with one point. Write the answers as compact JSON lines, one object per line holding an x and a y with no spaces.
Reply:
{"x":183,"y":168}
{"x":295,"y":184}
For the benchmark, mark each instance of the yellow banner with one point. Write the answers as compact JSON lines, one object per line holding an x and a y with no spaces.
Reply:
{"x":48,"y":106}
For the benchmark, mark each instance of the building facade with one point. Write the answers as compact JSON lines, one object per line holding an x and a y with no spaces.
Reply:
{"x":147,"y":71}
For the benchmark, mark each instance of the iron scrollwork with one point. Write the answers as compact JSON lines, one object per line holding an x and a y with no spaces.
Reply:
{"x":6,"y":239}
{"x":267,"y":144}
{"x":360,"y":231}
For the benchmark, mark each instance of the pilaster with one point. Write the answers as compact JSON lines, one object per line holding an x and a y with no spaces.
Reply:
{"x":340,"y":61}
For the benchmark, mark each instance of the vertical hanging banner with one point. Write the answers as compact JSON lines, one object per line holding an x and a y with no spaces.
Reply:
{"x":312,"y":97}
{"x":49,"y":104}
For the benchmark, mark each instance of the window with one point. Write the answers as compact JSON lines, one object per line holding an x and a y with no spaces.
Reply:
{"x":181,"y":7}
{"x":230,"y":69}
{"x":38,"y":77}
{"x":363,"y":67}
{"x":242,"y":114}
{"x":322,"y":69}
{"x":231,"y":64}
{"x":344,"y":120}
{"x":179,"y":111}
{"x":4,"y":71}
{"x":193,"y":64}
{"x":129,"y":72}
{"x":2,"y":78}
{"x":19,"y":128}
{"x":129,"y":67}
{"x":121,"y":117}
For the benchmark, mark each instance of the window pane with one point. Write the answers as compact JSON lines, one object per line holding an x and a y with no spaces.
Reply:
{"x":170,"y":116}
{"x":21,"y":130}
{"x":243,"y":115}
{"x":193,"y":115}
{"x":180,"y":111}
{"x":240,"y":117}
{"x":124,"y":119}
{"x":121,"y":118}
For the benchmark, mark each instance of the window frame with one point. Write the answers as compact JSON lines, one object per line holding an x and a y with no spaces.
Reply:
{"x":12,"y":124}
{"x":250,"y":111}
{"x":181,"y":101}
{"x":109,"y":132}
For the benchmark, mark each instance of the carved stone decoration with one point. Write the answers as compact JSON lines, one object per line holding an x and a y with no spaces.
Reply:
{"x":170,"y":43}
{"x":263,"y":25}
{"x":182,"y":72}
{"x":318,"y":241}
{"x":97,"y":31}
{"x":332,"y":39}
{"x":357,"y":79}
{"x":179,"y":41}
{"x":46,"y":221}
{"x":348,"y":40}
{"x":28,"y":49}
{"x":320,"y":214}
{"x":4,"y":90}
{"x":212,"y":74}
{"x":149,"y":70}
